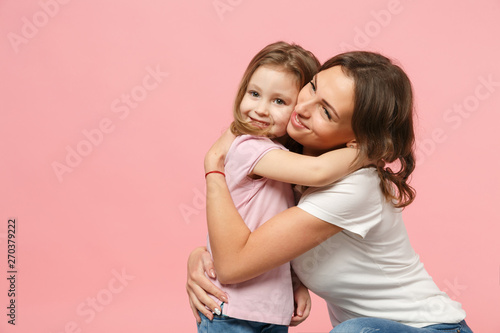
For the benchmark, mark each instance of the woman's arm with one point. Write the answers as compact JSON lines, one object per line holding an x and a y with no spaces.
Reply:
{"x":239,"y":254}
{"x":289,"y":167}
{"x":198,"y":287}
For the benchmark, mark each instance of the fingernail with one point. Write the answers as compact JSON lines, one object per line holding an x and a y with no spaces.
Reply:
{"x":212,"y":273}
{"x":223,"y":298}
{"x":217,"y":311}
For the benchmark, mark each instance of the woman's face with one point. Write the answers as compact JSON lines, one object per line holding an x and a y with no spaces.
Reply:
{"x":321,"y":120}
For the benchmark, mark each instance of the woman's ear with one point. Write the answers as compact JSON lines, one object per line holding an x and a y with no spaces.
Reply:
{"x":352,"y":144}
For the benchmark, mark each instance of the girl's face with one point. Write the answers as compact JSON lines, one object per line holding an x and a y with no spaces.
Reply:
{"x":269,"y":100}
{"x":322,"y":117}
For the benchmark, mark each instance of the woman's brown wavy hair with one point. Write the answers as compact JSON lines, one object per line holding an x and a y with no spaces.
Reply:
{"x":383,"y":119}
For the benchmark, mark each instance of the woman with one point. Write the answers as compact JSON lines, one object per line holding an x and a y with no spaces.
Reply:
{"x":347,"y":240}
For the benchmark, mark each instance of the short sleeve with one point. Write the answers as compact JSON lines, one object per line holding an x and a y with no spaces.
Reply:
{"x":247,"y":150}
{"x":353,"y":203}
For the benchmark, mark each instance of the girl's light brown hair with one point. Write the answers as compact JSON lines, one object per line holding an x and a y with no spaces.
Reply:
{"x":283,"y":56}
{"x":382,"y":120}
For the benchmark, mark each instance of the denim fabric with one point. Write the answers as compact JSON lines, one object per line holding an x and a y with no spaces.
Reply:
{"x":224,"y":324}
{"x":372,"y":325}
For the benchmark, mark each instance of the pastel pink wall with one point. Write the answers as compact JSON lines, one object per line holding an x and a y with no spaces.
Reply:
{"x":108,"y":107}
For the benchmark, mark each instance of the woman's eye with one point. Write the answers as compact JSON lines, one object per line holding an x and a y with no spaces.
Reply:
{"x":279,"y":101}
{"x":326,"y":113}
{"x":313,"y":86}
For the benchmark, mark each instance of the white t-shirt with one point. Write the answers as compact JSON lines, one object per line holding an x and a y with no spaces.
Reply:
{"x":369,"y":269}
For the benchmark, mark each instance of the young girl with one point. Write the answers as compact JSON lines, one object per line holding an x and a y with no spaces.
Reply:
{"x":259,"y":170}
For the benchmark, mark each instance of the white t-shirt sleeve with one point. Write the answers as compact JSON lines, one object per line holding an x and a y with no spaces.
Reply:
{"x":352,"y":203}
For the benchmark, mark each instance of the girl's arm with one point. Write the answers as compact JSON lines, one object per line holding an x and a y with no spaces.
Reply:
{"x":289,"y":167}
{"x":239,"y":254}
{"x":302,"y":301}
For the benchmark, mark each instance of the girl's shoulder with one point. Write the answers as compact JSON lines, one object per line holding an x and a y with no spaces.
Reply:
{"x":251,"y":148}
{"x":247,"y":140}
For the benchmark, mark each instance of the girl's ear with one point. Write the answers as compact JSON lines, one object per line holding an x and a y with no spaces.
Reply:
{"x":352,"y":144}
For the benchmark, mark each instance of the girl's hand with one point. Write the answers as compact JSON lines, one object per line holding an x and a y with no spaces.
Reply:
{"x":198,"y":286}
{"x":214,"y":159}
{"x":302,"y":304}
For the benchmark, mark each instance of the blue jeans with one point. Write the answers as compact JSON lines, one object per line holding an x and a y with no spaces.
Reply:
{"x":224,"y":324}
{"x":377,"y":325}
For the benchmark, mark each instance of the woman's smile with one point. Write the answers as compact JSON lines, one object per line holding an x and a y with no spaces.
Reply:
{"x":294,"y":119}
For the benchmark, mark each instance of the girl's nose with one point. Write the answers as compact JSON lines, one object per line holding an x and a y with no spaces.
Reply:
{"x":261,"y":109}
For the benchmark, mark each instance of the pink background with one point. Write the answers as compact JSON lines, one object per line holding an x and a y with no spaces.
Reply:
{"x":102,"y":161}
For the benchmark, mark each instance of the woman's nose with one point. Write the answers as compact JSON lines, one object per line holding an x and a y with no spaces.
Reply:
{"x":303,"y":108}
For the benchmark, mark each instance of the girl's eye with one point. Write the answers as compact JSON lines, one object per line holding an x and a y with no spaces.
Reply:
{"x":313,"y":86}
{"x":253,"y":93}
{"x":279,"y":101}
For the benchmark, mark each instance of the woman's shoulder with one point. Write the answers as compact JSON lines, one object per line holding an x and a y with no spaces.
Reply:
{"x":354,"y":203}
{"x":362,"y":185}
{"x":367,"y":172}
{"x":365,"y":177}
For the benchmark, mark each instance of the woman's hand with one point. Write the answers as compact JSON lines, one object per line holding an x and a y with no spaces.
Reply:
{"x":214,"y":159}
{"x":198,"y":286}
{"x":302,"y":304}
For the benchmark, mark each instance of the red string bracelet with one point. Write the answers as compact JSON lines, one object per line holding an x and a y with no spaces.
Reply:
{"x":222,"y":173}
